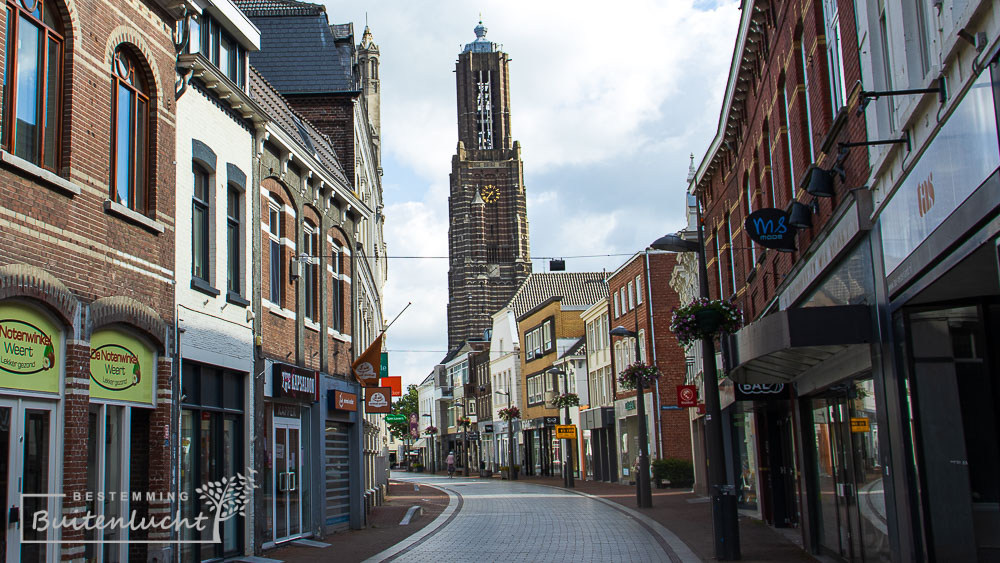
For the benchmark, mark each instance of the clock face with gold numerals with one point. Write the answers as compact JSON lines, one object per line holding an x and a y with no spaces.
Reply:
{"x":490,"y":193}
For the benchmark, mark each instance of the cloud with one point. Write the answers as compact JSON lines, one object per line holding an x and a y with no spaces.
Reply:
{"x":607,"y":100}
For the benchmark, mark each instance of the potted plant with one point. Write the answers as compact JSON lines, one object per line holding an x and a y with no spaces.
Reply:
{"x":418,"y":467}
{"x":705,"y":318}
{"x":517,"y":469}
{"x":431,"y":430}
{"x":566,"y":400}
{"x":636,"y":372}
{"x":673,"y":472}
{"x":509,"y":414}
{"x":464,"y":422}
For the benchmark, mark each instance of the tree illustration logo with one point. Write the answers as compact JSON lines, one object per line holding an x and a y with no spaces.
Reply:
{"x":227,"y":497}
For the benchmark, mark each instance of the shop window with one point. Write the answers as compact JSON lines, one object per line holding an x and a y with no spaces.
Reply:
{"x":211,"y":449}
{"x":33,"y":94}
{"x":129,"y":132}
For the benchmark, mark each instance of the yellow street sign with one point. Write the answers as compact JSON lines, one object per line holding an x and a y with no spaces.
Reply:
{"x":860,"y":425}
{"x":566,"y":432}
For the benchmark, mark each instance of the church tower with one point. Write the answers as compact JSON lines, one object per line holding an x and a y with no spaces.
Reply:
{"x":368,"y":65}
{"x":488,"y":224}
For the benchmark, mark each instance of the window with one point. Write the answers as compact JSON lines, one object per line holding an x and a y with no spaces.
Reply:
{"x":638,"y":290}
{"x":718,"y":262}
{"x":337,"y":292}
{"x":274,"y":232}
{"x":129,"y":132}
{"x":631,"y":296}
{"x":32,"y":96}
{"x":642,"y":346}
{"x":805,"y":86}
{"x":748,"y":193}
{"x":887,"y":70}
{"x":605,"y":331}
{"x":200,"y":225}
{"x":788,"y":139}
{"x":834,"y":55}
{"x":234,"y":250}
{"x":539,"y":340}
{"x":768,"y":162}
{"x":622,"y":291}
{"x":208,"y":38}
{"x":617,"y":312}
{"x":732,"y":256}
{"x":310,"y":269}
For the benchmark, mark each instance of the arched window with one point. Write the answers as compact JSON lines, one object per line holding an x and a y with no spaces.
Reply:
{"x":32,"y":94}
{"x":129,"y":132}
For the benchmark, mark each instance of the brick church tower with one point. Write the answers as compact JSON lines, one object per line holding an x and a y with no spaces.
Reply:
{"x":488,"y":223}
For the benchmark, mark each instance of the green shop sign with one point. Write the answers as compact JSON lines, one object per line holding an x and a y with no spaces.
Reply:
{"x":391,"y":418}
{"x":121,"y":368}
{"x":29,"y":344}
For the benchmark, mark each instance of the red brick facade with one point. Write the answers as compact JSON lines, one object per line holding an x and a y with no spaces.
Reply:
{"x":651,"y":319}
{"x":755,"y":150}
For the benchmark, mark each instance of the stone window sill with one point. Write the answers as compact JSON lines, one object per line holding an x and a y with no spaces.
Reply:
{"x":115,"y":208}
{"x":236,"y":299}
{"x":204,"y":287}
{"x":39,"y":173}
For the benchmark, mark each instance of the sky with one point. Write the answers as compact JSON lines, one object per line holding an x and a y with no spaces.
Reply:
{"x":608,"y":101}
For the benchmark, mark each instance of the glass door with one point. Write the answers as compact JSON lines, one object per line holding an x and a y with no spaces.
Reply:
{"x":287,"y":463}
{"x":26,"y":457}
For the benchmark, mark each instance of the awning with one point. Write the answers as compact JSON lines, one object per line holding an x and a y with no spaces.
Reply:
{"x":421,"y":443}
{"x":783,"y":346}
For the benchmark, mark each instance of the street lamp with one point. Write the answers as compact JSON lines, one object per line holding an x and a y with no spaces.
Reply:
{"x":433,"y":452}
{"x":510,"y":438}
{"x":465,"y":441}
{"x":567,"y":444}
{"x":724,"y":513}
{"x":643,"y":494}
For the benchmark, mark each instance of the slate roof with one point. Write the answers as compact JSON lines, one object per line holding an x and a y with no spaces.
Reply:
{"x":297,"y":128}
{"x":578,"y":289}
{"x":300,"y":52}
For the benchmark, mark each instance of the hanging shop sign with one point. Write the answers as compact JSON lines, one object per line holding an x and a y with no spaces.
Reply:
{"x":395,"y":383}
{"x":377,"y":400}
{"x":394,"y":418}
{"x":121,"y":368}
{"x":687,"y":396}
{"x":769,"y":228}
{"x":859,"y":425}
{"x":384,"y":368}
{"x":293,"y":382}
{"x":30,"y":346}
{"x":488,"y":428}
{"x":551,"y":421}
{"x":566,"y":432}
{"x":414,"y":425}
{"x":341,"y":400}
{"x":762,"y":391}
{"x":368,"y":366}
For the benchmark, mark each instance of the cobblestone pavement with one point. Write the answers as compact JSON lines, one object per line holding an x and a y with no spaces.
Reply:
{"x":492,"y":520}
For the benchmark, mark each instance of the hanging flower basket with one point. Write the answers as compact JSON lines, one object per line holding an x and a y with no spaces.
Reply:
{"x":464,"y":422}
{"x":508,"y":414}
{"x":566,"y":400}
{"x":704,"y":318}
{"x":431,"y":430}
{"x":636,"y":372}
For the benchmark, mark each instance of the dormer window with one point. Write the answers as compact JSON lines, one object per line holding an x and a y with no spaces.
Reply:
{"x":209,"y":39}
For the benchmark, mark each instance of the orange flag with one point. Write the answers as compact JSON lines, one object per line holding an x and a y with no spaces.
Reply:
{"x":366,"y":368}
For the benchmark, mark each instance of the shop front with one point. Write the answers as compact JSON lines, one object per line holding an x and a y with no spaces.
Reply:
{"x":290,"y":453}
{"x":627,"y":416}
{"x":600,"y":443}
{"x":32,"y":366}
{"x":942,"y":294}
{"x":541,"y":448}
{"x":341,"y":444}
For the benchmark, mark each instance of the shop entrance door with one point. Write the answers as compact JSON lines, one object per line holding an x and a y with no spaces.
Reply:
{"x":26,"y":466}
{"x":287,"y":463}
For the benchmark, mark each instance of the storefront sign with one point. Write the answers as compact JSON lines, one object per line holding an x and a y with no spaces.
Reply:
{"x":630,"y":405}
{"x":963,"y":154}
{"x":344,"y":401}
{"x":384,"y":368}
{"x":859,"y":425}
{"x":293,"y":382}
{"x":473,"y":436}
{"x":769,"y":228}
{"x":488,"y":428}
{"x":551,"y":421}
{"x":762,"y":391}
{"x":29,"y":349}
{"x":566,"y":432}
{"x":687,"y":396}
{"x":280,"y":410}
{"x":394,"y":383}
{"x":121,"y":368}
{"x":394,"y":418}
{"x":378,"y":399}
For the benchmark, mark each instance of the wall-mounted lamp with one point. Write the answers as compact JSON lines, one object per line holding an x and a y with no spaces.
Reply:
{"x":800,"y":214}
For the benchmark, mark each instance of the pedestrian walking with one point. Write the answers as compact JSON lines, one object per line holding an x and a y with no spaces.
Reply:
{"x":450,"y":460}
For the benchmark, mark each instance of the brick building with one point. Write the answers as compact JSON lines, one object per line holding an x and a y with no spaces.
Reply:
{"x":86,"y":263}
{"x":642,"y":302}
{"x":488,"y":224}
